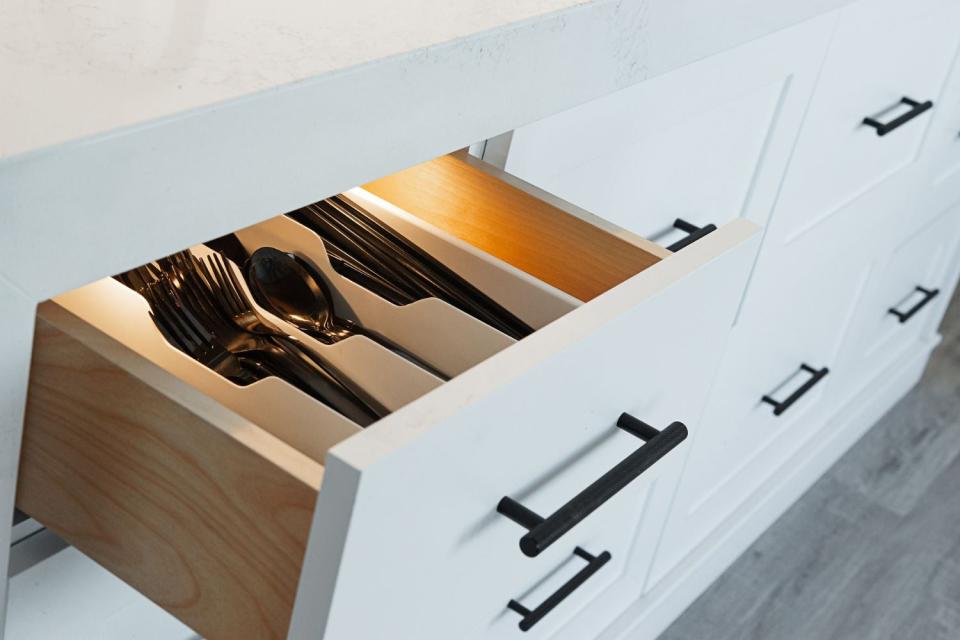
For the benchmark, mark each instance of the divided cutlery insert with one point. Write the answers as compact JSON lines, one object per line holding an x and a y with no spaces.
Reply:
{"x":136,"y":453}
{"x":490,"y":215}
{"x":441,"y":334}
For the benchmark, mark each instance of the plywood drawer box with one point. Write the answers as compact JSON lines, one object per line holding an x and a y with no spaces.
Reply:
{"x":942,"y":148}
{"x":298,"y":523}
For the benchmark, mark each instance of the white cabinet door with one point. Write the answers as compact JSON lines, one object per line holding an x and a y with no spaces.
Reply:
{"x":407,"y":541}
{"x":883,"y":51}
{"x":770,"y":399}
{"x":908,"y":291}
{"x":706,"y":143}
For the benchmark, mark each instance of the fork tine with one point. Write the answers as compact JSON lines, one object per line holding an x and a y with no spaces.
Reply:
{"x":146,"y":276}
{"x":172,"y":336}
{"x":168,"y":302}
{"x":194,"y":265}
{"x":215,"y":293}
{"x":208,"y":278}
{"x":208,"y":289}
{"x":171,"y":265}
{"x":230,"y":284}
{"x":167,"y":321}
{"x":210,"y":268}
{"x":175,"y":316}
{"x":132,"y":279}
{"x":216,"y":298}
{"x":155,"y":273}
{"x":237,"y":287}
{"x":229,"y":296}
{"x":200,"y":318}
{"x":188,"y":315}
{"x":195,"y":289}
{"x":180,"y":261}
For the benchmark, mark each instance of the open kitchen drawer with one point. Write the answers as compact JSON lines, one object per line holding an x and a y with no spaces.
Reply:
{"x":255,"y":519}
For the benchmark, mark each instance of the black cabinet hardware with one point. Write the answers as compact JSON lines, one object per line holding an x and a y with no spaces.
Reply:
{"x":779,"y":406}
{"x":916,"y":108}
{"x":928,"y":295}
{"x":542,"y":532}
{"x":531,"y":618}
{"x":694,"y":233}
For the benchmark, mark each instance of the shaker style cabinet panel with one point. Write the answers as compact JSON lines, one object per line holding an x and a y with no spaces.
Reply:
{"x":704,"y":144}
{"x":905,"y":298}
{"x":880,"y":86}
{"x":768,"y":399}
{"x":789,"y":367}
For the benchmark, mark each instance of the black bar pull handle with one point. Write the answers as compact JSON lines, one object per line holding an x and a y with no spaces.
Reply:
{"x":916,"y":108}
{"x":779,"y":406}
{"x":928,"y":295}
{"x":694,"y":233}
{"x":532,"y":617}
{"x":542,"y":532}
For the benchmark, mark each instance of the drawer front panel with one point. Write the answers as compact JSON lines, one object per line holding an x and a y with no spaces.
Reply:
{"x":535,"y":423}
{"x":883,"y":51}
{"x":913,"y":280}
{"x":705,"y":144}
{"x":798,"y":310}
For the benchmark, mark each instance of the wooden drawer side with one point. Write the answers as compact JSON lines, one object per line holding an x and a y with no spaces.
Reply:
{"x":473,"y":203}
{"x":196,"y":519}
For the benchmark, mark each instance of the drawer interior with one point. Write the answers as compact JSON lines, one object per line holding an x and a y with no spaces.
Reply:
{"x":198,"y":491}
{"x":552,"y":240}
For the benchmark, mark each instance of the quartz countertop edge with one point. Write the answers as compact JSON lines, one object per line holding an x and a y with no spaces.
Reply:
{"x":77,"y":69}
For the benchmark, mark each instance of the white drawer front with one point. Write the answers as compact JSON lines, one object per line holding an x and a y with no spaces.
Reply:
{"x":407,"y":516}
{"x":796,"y":315}
{"x":706,"y":143}
{"x":914,"y":280}
{"x":883,"y":50}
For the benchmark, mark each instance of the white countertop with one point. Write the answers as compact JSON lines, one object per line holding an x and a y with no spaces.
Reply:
{"x":133,"y":128}
{"x":76,"y":68}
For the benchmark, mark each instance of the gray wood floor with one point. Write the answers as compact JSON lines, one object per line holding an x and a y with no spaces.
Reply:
{"x":872,"y":550}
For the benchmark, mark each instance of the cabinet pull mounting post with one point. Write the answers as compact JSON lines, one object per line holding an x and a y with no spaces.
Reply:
{"x":542,"y":532}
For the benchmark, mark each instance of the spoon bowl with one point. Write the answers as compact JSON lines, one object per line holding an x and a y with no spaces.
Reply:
{"x":291,"y":288}
{"x":281,"y":283}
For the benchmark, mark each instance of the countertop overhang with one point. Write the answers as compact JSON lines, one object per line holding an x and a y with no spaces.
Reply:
{"x":129,"y":130}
